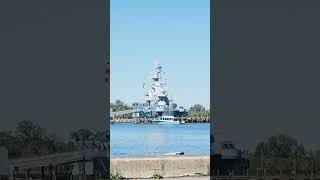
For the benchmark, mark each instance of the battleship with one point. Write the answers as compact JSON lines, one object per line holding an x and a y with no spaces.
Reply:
{"x":159,"y":104}
{"x":158,"y":107}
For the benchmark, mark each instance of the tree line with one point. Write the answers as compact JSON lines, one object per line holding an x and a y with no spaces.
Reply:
{"x":119,"y":105}
{"x":195,"y":110}
{"x":29,"y":139}
{"x":198,"y":110}
{"x":282,"y":152}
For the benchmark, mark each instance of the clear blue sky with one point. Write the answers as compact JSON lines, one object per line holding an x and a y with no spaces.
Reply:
{"x":176,"y":33}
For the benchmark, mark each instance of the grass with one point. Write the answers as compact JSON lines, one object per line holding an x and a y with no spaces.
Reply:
{"x":116,"y":176}
{"x":157,"y":176}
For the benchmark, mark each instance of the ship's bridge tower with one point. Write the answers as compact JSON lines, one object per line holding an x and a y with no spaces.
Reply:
{"x":157,"y":97}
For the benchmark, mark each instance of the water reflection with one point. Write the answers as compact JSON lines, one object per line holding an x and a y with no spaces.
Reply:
{"x":150,"y":140}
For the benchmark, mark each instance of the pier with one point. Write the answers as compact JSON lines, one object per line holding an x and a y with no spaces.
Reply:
{"x":88,"y":164}
{"x":132,"y":116}
{"x":127,"y":118}
{"x":264,"y":174}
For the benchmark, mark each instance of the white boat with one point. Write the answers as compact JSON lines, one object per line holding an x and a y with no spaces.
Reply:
{"x":167,"y":120}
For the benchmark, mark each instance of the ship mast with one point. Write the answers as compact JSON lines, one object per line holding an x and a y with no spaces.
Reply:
{"x":157,"y":97}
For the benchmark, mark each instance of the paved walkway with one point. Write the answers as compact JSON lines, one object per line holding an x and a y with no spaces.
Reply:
{"x":189,"y":178}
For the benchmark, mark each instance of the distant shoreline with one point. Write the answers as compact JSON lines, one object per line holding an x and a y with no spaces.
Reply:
{"x":158,"y":124}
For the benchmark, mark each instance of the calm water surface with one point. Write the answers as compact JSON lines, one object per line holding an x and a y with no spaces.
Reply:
{"x":127,"y":139}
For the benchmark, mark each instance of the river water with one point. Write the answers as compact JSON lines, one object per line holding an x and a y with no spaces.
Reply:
{"x":128,"y":139}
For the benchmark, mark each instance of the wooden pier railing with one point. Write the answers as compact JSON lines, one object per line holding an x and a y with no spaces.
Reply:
{"x":264,"y":174}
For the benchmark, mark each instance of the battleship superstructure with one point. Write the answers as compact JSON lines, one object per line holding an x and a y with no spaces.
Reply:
{"x":158,"y":102}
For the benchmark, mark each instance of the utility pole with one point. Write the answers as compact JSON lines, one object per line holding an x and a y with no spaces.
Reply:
{"x":83,"y":158}
{"x":261,"y":158}
{"x":294,"y":162}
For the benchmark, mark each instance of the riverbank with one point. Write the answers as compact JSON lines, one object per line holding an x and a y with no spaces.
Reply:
{"x":165,"y":166}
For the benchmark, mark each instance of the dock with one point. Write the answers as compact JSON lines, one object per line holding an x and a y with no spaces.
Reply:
{"x":69,"y":165}
{"x":145,"y":120}
{"x":132,"y":116}
{"x":265,"y":174}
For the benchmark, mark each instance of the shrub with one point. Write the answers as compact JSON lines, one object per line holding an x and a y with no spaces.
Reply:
{"x":157,"y":176}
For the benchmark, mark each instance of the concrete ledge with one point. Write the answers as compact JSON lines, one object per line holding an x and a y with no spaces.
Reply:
{"x":166,"y":166}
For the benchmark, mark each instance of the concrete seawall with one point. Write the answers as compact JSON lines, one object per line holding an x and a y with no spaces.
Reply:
{"x":166,"y":166}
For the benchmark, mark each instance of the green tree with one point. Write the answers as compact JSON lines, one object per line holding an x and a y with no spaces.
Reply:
{"x":198,"y":110}
{"x":29,"y":131}
{"x":81,"y":134}
{"x":280,"y":152}
{"x":119,"y":106}
{"x":29,"y":138}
